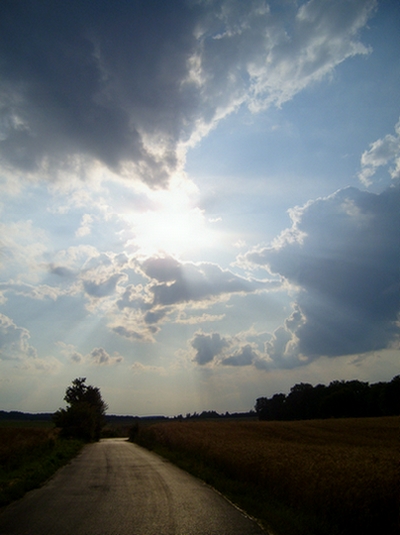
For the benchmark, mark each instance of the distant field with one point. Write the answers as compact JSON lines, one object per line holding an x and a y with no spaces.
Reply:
{"x":307,"y":477}
{"x":44,"y":424}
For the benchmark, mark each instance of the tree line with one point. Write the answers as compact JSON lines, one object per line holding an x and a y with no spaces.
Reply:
{"x":209,"y":415}
{"x":340,"y":399}
{"x":25,"y":416}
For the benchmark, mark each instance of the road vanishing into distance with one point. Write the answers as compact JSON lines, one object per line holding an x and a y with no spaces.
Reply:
{"x":115,"y":487}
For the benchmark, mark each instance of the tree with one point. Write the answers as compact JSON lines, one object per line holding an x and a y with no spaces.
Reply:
{"x":271,"y":409}
{"x":299,"y":402}
{"x":85,"y":415}
{"x":340,"y":399}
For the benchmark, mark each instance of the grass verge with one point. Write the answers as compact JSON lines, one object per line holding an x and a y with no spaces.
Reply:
{"x":28,"y":457}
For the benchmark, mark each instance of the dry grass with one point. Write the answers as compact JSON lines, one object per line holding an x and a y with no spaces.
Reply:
{"x":28,"y":456}
{"x":17,"y":442}
{"x":344,"y":472}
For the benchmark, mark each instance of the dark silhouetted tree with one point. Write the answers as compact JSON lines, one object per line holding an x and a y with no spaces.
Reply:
{"x":85,"y":415}
{"x":271,"y":409}
{"x":340,"y":399}
{"x":392,"y":396}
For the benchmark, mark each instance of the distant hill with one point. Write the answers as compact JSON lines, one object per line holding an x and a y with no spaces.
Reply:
{"x":17,"y":415}
{"x":47,"y":416}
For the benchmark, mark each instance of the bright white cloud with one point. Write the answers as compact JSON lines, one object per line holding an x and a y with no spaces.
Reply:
{"x":86,"y":226}
{"x":22,"y":245}
{"x":382,"y":152}
{"x":41,"y":291}
{"x":14,"y":341}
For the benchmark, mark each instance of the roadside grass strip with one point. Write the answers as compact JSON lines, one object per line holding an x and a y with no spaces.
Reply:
{"x":28,"y":457}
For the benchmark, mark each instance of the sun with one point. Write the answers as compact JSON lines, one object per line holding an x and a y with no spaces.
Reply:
{"x":170,"y":231}
{"x":173,"y":225}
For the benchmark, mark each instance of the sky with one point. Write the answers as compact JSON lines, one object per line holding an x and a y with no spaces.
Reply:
{"x":199,"y":199}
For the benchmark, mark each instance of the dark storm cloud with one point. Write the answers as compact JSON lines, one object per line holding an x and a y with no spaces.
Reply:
{"x":126,"y":83}
{"x":89,"y":78}
{"x":343,"y":253}
{"x":207,"y":346}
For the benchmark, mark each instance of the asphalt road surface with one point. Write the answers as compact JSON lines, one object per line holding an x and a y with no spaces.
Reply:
{"x":117,"y":488}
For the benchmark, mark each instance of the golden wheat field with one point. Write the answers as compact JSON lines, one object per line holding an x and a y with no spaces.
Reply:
{"x":346,"y":468}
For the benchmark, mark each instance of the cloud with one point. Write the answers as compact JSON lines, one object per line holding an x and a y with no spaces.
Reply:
{"x":243,"y":349}
{"x":155,"y":316}
{"x":184,"y":282}
{"x":381,"y":153}
{"x":172,"y":286}
{"x":189,"y":282}
{"x":86,"y":226}
{"x":22,"y":246}
{"x":68,"y":261}
{"x":100,"y":357}
{"x":69,"y":351}
{"x":194,"y":319}
{"x":207,"y":346}
{"x":103,"y":286}
{"x":323,"y":35}
{"x":41,"y":291}
{"x":101,"y":274}
{"x":61,"y":271}
{"x":132,"y":330}
{"x":246,"y":356}
{"x":138,"y":367}
{"x":164,"y":269}
{"x":342,"y":253}
{"x":133,"y":84}
{"x":14,"y":341}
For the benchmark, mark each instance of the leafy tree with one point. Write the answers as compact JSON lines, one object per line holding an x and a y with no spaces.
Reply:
{"x":85,"y":415}
{"x":340,"y":399}
{"x":271,"y":409}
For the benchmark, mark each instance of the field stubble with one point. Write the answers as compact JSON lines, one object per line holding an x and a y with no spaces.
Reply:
{"x":315,"y":476}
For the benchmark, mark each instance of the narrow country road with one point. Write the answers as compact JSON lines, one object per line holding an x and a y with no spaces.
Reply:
{"x":117,"y":488}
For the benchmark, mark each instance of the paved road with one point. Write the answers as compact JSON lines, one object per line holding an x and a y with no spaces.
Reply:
{"x":117,"y":488}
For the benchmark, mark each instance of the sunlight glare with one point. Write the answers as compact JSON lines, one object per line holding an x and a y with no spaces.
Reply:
{"x":174,"y":226}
